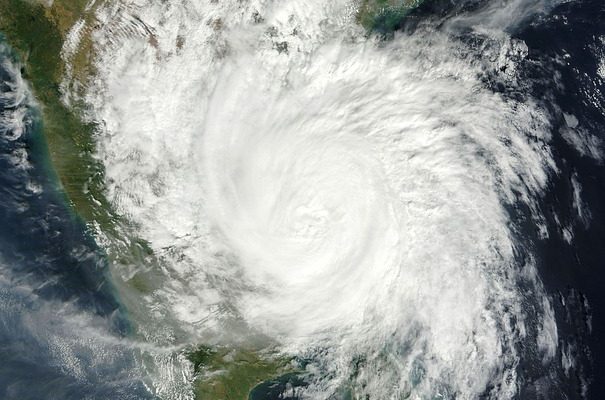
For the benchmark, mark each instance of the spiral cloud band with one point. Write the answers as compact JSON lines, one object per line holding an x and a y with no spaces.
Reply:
{"x":345,"y":198}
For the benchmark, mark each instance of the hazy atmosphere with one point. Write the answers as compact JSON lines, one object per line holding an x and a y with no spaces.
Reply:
{"x":288,"y":199}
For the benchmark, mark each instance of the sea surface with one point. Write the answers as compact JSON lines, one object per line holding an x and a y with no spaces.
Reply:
{"x":566,"y":52}
{"x":61,"y":325}
{"x":65,"y":335}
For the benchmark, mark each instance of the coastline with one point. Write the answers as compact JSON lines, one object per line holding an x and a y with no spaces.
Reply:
{"x":94,"y":276}
{"x":67,"y":150}
{"x":69,"y":139}
{"x":44,"y":241}
{"x":65,"y":146}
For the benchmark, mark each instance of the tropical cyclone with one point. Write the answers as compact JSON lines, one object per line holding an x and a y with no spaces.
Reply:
{"x":309,"y":189}
{"x":343,"y":198}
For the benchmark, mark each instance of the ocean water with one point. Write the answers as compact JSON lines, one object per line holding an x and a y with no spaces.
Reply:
{"x":61,"y":326}
{"x":569,"y":43}
{"x":417,"y":217}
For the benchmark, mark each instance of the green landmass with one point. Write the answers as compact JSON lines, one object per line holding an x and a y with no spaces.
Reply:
{"x":384,"y":16}
{"x":232,"y":373}
{"x":37,"y":33}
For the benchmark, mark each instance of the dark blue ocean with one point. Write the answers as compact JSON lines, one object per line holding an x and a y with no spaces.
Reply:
{"x":566,"y":52}
{"x":64,"y":334}
{"x":61,"y":326}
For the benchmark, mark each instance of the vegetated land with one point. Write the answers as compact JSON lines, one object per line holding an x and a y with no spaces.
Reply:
{"x":37,"y":32}
{"x":230,"y":374}
{"x":384,"y":16}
